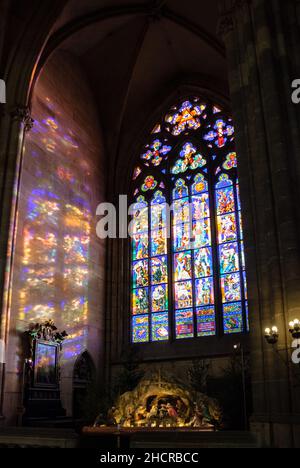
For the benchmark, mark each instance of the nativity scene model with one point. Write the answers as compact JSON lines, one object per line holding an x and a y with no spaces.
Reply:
{"x":158,"y":403}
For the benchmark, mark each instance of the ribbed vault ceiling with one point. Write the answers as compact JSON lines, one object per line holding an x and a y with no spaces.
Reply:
{"x":135,"y":52}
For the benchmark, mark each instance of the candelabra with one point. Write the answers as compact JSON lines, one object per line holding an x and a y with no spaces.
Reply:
{"x":295,"y":329}
{"x":272,"y":337}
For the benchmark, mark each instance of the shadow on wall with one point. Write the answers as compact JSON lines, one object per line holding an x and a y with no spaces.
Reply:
{"x":84,"y":388}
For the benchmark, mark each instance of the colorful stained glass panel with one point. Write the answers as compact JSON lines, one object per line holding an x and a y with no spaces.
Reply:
{"x":243,"y":255}
{"x":204,"y":292}
{"x":233,"y":318}
{"x":229,"y":258}
{"x":181,"y":211}
{"x":137,"y":173}
{"x":183,"y":295}
{"x":140,"y":246}
{"x":224,"y":181}
{"x":187,"y":117}
{"x":238,"y":197}
{"x":140,"y":221}
{"x":231,"y":161}
{"x":201,"y":207}
{"x":140,"y":301}
{"x":227,"y":229}
{"x":156,"y":153}
{"x":216,"y":110}
{"x":182,"y":236}
{"x":190,"y":159}
{"x":149,"y":184}
{"x":156,"y":129}
{"x":183,"y":266}
{"x":200,"y":185}
{"x":206,"y":321}
{"x":184,"y":324}
{"x":225,"y":201}
{"x":197,"y":162}
{"x":160,"y":327}
{"x":158,"y":198}
{"x":159,"y":270}
{"x":245,"y":285}
{"x":181,"y":190}
{"x":241,"y":226}
{"x":247,"y":316}
{"x":201,"y":233}
{"x":231,"y":288}
{"x":140,"y":274}
{"x":158,"y":242}
{"x":203,"y":263}
{"x":180,"y":167}
{"x":140,"y":329}
{"x":159,"y":298}
{"x":222,"y":131}
{"x":158,"y":216}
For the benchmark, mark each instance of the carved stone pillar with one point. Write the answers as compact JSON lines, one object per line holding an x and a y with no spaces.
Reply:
{"x":261,"y":38}
{"x":14,"y":125}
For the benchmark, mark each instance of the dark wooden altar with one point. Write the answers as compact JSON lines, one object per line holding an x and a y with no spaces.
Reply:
{"x":41,"y":392}
{"x":125,"y":438}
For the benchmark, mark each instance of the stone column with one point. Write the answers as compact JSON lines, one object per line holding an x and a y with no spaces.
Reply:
{"x":14,"y":125}
{"x":261,"y":38}
{"x":19,"y":58}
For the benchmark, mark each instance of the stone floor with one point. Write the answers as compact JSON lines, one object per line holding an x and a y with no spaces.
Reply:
{"x":165,"y":439}
{"x":64,"y":438}
{"x":37,"y":438}
{"x":196,"y":441}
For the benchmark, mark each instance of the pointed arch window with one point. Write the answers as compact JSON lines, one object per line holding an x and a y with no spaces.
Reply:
{"x":188,"y":274}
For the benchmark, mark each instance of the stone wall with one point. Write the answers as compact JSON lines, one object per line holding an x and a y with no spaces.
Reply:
{"x":262,"y":42}
{"x":58,"y":263}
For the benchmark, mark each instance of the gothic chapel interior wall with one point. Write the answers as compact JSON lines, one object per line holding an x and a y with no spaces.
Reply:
{"x":94,"y":105}
{"x":58,"y":262}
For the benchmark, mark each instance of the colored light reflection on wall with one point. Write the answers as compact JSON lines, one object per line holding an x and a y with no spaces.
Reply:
{"x":56,"y":221}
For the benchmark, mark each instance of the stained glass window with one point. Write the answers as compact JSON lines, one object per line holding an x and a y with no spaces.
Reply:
{"x":185,"y":117}
{"x":155,"y":153}
{"x":189,"y":159}
{"x":150,"y":296}
{"x":231,"y":255}
{"x":188,"y":271}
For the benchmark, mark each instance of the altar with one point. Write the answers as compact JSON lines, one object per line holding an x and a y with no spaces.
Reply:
{"x":128,"y":438}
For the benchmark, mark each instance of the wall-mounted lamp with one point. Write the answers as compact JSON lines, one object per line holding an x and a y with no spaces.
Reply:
{"x":272,"y":335}
{"x":295,"y":329}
